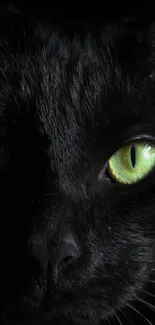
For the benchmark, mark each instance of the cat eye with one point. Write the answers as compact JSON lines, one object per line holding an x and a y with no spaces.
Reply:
{"x":132,"y":162}
{"x":4,"y":157}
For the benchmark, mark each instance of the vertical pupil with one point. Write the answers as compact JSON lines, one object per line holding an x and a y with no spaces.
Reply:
{"x":133,"y":156}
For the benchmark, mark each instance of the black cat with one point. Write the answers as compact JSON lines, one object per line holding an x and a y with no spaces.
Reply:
{"x":77,"y":172}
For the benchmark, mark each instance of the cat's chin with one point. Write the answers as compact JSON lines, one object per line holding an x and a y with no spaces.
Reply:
{"x":61,"y":303}
{"x":62,"y":309}
{"x":58,"y":306}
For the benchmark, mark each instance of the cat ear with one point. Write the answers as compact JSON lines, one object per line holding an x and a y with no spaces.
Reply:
{"x":138,"y":28}
{"x":146,"y":33}
{"x":151,"y":33}
{"x":128,"y":32}
{"x":8,"y":8}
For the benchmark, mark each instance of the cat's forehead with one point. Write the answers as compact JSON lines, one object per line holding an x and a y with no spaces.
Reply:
{"x":69,"y":83}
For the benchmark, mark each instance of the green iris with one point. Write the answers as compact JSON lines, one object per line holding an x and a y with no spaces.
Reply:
{"x":132,"y":162}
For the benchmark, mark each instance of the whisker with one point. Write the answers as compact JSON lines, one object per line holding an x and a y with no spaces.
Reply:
{"x":151,"y":281}
{"x":119,"y":321}
{"x":5,"y":314}
{"x":139,"y":313}
{"x":146,"y":303}
{"x":148,"y":293}
{"x":123,"y":313}
{"x":108,"y":320}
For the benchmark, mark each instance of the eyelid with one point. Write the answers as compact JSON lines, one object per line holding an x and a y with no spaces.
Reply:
{"x":140,"y":137}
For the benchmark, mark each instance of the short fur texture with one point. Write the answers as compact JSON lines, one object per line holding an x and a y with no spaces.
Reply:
{"x":70,"y":96}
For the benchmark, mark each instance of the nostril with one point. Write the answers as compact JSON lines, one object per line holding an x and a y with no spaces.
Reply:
{"x":66,"y":261}
{"x":64,"y":253}
{"x":68,"y":251}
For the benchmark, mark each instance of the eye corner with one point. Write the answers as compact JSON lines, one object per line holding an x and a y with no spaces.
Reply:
{"x":104,"y":175}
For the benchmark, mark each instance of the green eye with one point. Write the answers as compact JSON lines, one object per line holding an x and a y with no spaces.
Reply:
{"x":132,"y":162}
{"x":4,"y":157}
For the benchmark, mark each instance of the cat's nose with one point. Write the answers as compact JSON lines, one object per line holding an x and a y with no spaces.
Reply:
{"x":64,"y":253}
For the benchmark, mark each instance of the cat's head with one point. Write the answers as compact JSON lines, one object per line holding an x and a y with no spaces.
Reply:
{"x":77,"y":222}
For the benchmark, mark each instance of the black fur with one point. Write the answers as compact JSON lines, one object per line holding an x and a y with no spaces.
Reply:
{"x":71,"y":94}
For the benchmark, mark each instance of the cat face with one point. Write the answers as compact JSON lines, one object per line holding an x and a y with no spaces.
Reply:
{"x":76,"y":243}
